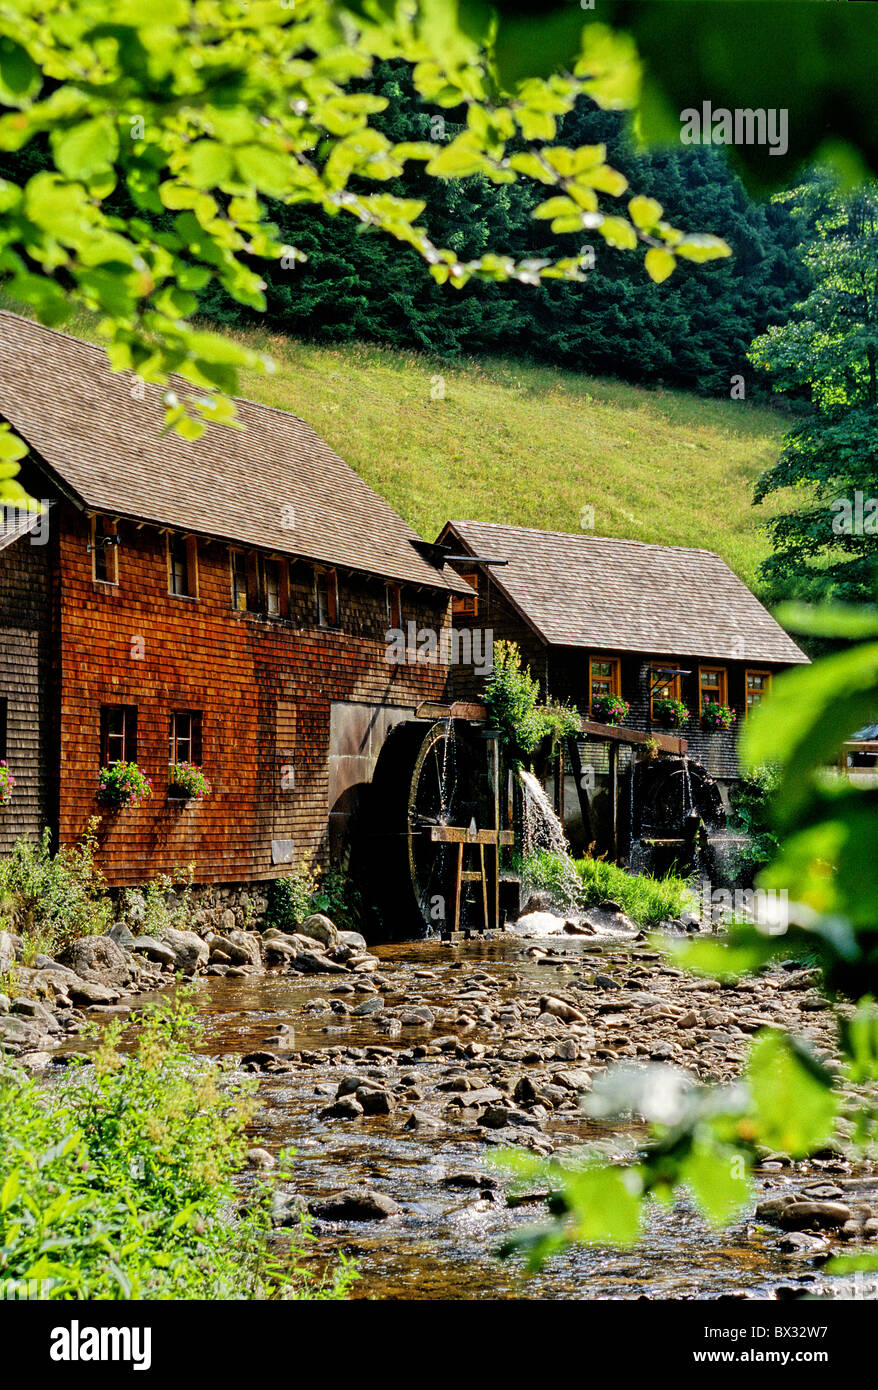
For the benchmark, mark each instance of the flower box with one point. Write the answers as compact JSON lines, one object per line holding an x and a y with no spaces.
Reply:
{"x":610,"y":709}
{"x":123,"y":784}
{"x":715,"y":716}
{"x":670,"y":713}
{"x":186,"y":782}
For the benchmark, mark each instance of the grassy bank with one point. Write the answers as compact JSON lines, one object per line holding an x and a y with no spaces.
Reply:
{"x":532,"y":446}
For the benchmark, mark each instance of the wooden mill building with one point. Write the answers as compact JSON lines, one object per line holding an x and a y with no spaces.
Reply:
{"x":594,"y":615}
{"x":223,"y":602}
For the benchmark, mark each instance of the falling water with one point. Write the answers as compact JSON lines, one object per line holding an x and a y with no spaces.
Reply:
{"x":542,"y":830}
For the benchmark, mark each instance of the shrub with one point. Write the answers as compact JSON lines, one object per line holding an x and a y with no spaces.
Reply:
{"x":610,"y":709}
{"x":511,"y":697}
{"x":122,"y":1183}
{"x":715,"y":716}
{"x":52,"y":899}
{"x":670,"y":712}
{"x":646,"y":900}
{"x":123,"y":784}
{"x":295,"y":896}
{"x":188,"y":782}
{"x":149,"y":908}
{"x":749,"y":799}
{"x":7,"y":783}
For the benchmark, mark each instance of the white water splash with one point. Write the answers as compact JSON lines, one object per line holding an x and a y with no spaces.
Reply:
{"x":542,"y":830}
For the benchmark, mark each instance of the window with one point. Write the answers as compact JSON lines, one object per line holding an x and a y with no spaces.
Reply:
{"x":185,"y":739}
{"x":756,"y":685}
{"x":183,"y":566}
{"x":270,"y":587}
{"x":239,"y":581}
{"x":604,"y":677}
{"x":118,"y":734}
{"x":664,"y":684}
{"x":394,"y":607}
{"x":103,"y":546}
{"x":466,"y":607}
{"x":258,"y":584}
{"x":712,"y":686}
{"x":327,"y":598}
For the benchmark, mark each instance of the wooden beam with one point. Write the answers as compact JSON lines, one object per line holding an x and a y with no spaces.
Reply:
{"x":460,"y":835}
{"x":614,"y":734}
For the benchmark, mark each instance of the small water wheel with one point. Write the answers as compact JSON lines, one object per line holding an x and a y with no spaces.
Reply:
{"x":431,"y":781}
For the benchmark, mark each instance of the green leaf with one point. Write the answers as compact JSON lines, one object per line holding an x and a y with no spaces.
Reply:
{"x":20,"y":78}
{"x":717,"y":1178}
{"x":84,"y":150}
{"x":794,"y":1103}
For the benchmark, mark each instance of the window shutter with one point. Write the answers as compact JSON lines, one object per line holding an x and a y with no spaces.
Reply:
{"x":192,"y":566}
{"x":283,"y":587}
{"x":105,"y":731}
{"x":196,"y":748}
{"x":332,"y":596}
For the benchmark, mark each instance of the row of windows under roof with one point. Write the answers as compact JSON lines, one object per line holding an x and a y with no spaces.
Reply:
{"x":259,"y":583}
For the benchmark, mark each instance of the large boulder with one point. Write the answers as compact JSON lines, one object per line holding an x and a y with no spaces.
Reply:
{"x":101,"y":960}
{"x":192,"y":954}
{"x":319,"y":928}
{"x":160,"y":952}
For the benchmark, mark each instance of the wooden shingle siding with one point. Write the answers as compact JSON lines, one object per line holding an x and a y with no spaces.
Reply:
{"x":26,"y":683}
{"x":264,"y":687}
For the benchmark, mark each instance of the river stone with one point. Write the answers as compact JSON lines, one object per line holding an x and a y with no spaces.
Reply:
{"x":375,"y":1100}
{"x":345,"y":1108}
{"x":373,"y":1005}
{"x":803,"y":1215}
{"x":4,"y":1003}
{"x":287,"y":1209}
{"x":314,"y":963}
{"x":18,"y":1031}
{"x":466,"y":1179}
{"x":32,"y":1008}
{"x":245,"y":947}
{"x":321,"y":929}
{"x":122,"y":936}
{"x":282,"y":948}
{"x":155,"y":950}
{"x":191,"y":953}
{"x":422,"y":1119}
{"x":260,"y":1158}
{"x":352,"y":939}
{"x":101,"y":960}
{"x":91,"y":992}
{"x":7,"y":953}
{"x":355,"y":1204}
{"x":551,"y":1004}
{"x":419,"y":1017}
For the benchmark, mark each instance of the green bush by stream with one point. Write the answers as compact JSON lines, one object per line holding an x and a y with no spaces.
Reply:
{"x":588,"y":882}
{"x":123,"y":1182}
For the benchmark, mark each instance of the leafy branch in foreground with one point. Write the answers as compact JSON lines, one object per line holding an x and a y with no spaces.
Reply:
{"x":168,"y":124}
{"x":706,"y":1139}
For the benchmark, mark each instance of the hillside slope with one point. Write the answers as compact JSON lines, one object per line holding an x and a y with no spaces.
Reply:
{"x":533,"y":446}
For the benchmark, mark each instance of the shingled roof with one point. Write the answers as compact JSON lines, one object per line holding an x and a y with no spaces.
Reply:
{"x":595,"y":592}
{"x":60,"y":395}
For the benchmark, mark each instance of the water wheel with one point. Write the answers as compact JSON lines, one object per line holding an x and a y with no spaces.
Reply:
{"x":427,"y":776}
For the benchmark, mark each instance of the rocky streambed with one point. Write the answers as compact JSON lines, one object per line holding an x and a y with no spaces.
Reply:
{"x":396,"y":1073}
